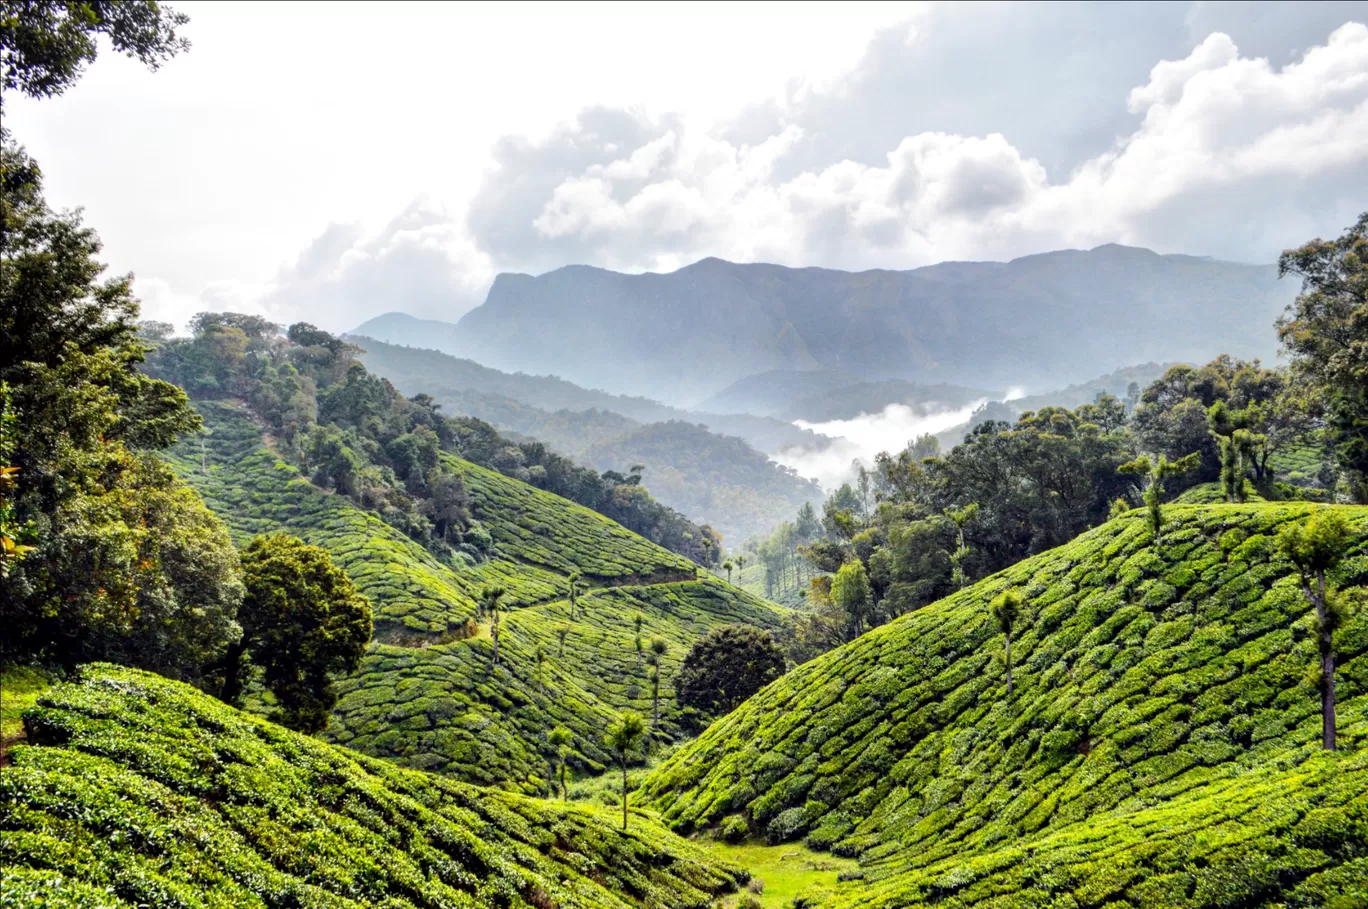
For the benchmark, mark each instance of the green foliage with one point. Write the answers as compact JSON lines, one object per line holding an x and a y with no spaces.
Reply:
{"x":45,"y":45}
{"x":137,"y":791}
{"x":1165,"y":710}
{"x":302,"y":623}
{"x":622,"y":739}
{"x":424,"y":694}
{"x":1326,"y":331}
{"x":726,"y":666}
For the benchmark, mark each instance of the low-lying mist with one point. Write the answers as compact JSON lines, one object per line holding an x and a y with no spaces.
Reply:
{"x":861,"y":438}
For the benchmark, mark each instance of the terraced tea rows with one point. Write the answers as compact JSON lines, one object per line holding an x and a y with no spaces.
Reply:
{"x":445,"y":706}
{"x":1141,"y":675}
{"x":138,"y":791}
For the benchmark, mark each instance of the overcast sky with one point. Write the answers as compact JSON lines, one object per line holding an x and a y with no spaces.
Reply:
{"x":332,"y":162}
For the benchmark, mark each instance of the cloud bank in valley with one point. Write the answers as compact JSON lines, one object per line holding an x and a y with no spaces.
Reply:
{"x":862,"y":437}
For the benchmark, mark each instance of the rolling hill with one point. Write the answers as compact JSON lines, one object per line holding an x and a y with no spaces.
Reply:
{"x":429,"y":697}
{"x":136,"y":791}
{"x":1162,"y":747}
{"x":684,"y":336}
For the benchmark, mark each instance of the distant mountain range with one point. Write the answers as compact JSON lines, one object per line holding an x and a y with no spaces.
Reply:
{"x":1040,"y":321}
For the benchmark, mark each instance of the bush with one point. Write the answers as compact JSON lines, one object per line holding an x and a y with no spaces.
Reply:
{"x":735,"y":829}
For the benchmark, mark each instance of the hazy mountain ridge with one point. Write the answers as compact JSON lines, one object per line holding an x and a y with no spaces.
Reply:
{"x":686,"y":335}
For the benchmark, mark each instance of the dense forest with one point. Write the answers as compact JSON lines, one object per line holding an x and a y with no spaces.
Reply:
{"x":280,"y":634}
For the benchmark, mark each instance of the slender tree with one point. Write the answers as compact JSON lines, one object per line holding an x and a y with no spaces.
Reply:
{"x":658,"y":650}
{"x":560,"y":738}
{"x":1153,"y":474}
{"x":960,"y":517}
{"x":573,"y":593}
{"x":727,"y":567}
{"x":541,"y":669}
{"x":1006,"y":608}
{"x":1316,"y":548}
{"x":741,"y":564}
{"x":490,"y":597}
{"x":562,"y":631}
{"x":637,"y":621}
{"x":623,"y":738}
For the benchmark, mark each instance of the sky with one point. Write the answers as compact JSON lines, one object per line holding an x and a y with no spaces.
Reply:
{"x":330,"y":163}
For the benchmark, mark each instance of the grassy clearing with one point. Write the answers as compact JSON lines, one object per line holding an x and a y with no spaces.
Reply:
{"x":783,"y":873}
{"x":19,"y":690}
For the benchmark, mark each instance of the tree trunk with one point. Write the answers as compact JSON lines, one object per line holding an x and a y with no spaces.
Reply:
{"x":1009,"y":664}
{"x":624,"y":794}
{"x":232,"y":672}
{"x":1327,"y":656}
{"x":564,"y":792}
{"x":494,"y":633}
{"x":655,"y":699}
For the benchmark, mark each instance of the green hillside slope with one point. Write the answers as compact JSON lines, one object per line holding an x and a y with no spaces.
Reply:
{"x":138,"y":791}
{"x":429,"y":699}
{"x":1150,"y":688}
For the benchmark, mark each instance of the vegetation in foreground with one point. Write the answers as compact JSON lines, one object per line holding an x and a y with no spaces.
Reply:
{"x":1151,"y":684}
{"x":137,"y":791}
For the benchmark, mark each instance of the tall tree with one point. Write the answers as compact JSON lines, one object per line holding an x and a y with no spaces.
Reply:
{"x":562,"y":632}
{"x":302,"y":621}
{"x":559,"y":739}
{"x":851,"y":594}
{"x":960,"y":517}
{"x":659,"y":648}
{"x":574,"y":589}
{"x":1153,"y":474}
{"x":1006,"y":609}
{"x":727,"y":567}
{"x":622,"y":739}
{"x":1326,"y":332}
{"x":489,"y":599}
{"x":1316,"y":547}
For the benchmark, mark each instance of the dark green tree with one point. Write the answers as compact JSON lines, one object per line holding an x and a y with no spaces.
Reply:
{"x":726,"y":666}
{"x":489,"y":601}
{"x":1316,"y":547}
{"x":1006,"y":609}
{"x":960,"y":517}
{"x":562,"y":631}
{"x":302,"y":622}
{"x":853,"y":597}
{"x":1326,"y":332}
{"x":623,"y":738}
{"x":574,"y":588}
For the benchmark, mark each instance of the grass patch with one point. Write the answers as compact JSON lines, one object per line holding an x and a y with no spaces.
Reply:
{"x":20,"y":687}
{"x":786,"y":871}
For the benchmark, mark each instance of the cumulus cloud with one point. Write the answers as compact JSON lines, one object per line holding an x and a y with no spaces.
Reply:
{"x":921,"y":154}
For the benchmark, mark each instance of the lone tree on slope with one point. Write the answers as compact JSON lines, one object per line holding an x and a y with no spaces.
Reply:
{"x":622,"y":739}
{"x":658,"y":650}
{"x":1153,"y":474}
{"x":727,"y":567}
{"x":1316,"y":547}
{"x":490,"y":597}
{"x":559,"y":739}
{"x":302,"y":620}
{"x":562,"y":631}
{"x":1006,"y":608}
{"x":726,"y":666}
{"x":576,"y":588}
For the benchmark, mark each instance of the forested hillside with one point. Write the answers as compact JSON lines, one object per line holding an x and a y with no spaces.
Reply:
{"x":712,"y":473}
{"x":134,"y":791}
{"x":427,"y":692}
{"x":1163,"y":717}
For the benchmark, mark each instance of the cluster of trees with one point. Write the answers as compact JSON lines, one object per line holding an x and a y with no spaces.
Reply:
{"x":923,"y":523}
{"x":353,"y":432}
{"x":104,"y":554}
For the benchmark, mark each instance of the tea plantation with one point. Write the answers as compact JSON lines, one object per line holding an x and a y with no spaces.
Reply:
{"x":430,"y":698}
{"x":1161,"y":747}
{"x":136,"y":791}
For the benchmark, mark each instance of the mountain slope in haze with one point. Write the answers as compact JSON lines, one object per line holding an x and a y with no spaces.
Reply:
{"x":136,"y":791}
{"x":710,"y":475}
{"x":1162,"y":746}
{"x":820,"y":395}
{"x":430,"y":697}
{"x":1043,"y":320}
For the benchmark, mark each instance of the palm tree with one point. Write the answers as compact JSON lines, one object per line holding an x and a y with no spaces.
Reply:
{"x":727,"y":567}
{"x":658,"y":650}
{"x":637,"y":621}
{"x":560,"y":740}
{"x":622,"y":739}
{"x":489,"y":599}
{"x":1316,"y":547}
{"x":1006,"y":610}
{"x":741,"y":564}
{"x":562,"y":631}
